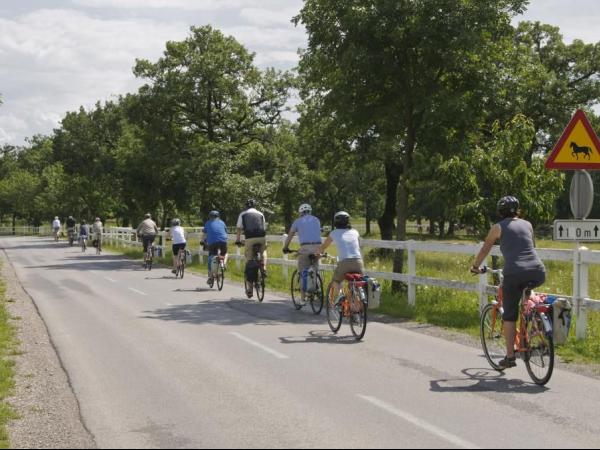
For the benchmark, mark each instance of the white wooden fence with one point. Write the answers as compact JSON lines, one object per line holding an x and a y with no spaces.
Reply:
{"x":581,"y":258}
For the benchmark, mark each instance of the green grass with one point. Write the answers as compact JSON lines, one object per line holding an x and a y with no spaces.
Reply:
{"x":8,"y":349}
{"x":447,"y":308}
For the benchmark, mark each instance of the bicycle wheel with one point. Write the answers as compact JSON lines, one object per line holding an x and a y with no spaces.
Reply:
{"x":316,"y":299}
{"x":220,"y":277}
{"x":334,"y":310}
{"x":249,"y":287}
{"x":358,"y":313}
{"x":296,"y":291}
{"x":182,"y":269}
{"x":260,"y":287}
{"x":539,"y":359}
{"x":492,"y":336}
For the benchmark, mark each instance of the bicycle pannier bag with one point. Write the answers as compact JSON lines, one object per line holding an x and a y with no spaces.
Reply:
{"x":309,"y":280}
{"x":188,"y":257}
{"x":561,"y":316}
{"x":214,"y":264}
{"x":252,"y":271}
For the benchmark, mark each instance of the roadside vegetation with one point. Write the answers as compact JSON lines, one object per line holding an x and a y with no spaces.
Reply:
{"x":8,"y":350}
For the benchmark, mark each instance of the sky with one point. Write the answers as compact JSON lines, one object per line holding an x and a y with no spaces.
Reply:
{"x":58,"y":55}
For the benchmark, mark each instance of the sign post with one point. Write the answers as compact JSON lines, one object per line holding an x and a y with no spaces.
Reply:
{"x":578,"y":149}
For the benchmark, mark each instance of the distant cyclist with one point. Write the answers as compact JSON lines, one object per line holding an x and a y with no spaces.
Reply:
{"x":56,"y":227}
{"x":84,"y":231}
{"x":97,"y":229}
{"x":148,"y":231}
{"x":347,"y":242}
{"x":215,"y":237}
{"x":522,"y":266}
{"x":179,"y":241}
{"x":71,"y":224}
{"x":308,"y":228}
{"x":252,"y":223}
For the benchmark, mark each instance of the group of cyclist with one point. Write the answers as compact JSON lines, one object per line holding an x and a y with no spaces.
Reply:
{"x":84,"y":232}
{"x":523,"y":267}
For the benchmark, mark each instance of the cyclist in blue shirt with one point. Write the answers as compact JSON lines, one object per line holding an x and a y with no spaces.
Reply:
{"x":215,"y":238}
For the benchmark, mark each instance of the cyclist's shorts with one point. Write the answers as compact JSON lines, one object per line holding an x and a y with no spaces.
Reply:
{"x":352,"y":265}
{"x":513,"y":290}
{"x":177,"y":247}
{"x":213,"y":249}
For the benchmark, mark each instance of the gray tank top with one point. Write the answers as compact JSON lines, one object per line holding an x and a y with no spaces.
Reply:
{"x":517,"y":247}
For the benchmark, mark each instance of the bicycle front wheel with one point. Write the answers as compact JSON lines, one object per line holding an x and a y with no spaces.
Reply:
{"x":492,"y":336}
{"x":358,"y":314}
{"x":296,"y":290}
{"x":334,"y":310}
{"x":539,"y":359}
{"x":316,"y":300}
{"x":182,"y":270}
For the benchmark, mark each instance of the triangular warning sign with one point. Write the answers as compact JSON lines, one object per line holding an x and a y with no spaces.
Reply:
{"x":578,"y":148}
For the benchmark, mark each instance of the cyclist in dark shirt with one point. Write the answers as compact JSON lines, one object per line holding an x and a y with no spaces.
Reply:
{"x":522,"y":268}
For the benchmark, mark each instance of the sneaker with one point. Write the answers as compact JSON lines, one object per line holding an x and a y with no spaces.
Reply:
{"x":173,"y":271}
{"x":507,"y":362}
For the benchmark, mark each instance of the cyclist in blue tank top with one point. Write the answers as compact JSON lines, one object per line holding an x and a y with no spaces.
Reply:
{"x":522,"y":266}
{"x":215,"y":238}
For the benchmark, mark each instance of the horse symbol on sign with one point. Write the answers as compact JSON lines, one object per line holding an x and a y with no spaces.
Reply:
{"x":587,"y":151}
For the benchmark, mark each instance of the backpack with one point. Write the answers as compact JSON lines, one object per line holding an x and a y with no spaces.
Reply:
{"x":251,"y":271}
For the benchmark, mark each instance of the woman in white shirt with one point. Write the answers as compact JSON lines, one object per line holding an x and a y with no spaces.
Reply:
{"x":179,"y":241}
{"x":346,"y":240}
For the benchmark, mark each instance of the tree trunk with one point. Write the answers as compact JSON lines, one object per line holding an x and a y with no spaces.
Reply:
{"x":14,"y":224}
{"x":368,"y":220}
{"x":386,"y":221}
{"x":451,"y":228}
{"x":442,"y":224}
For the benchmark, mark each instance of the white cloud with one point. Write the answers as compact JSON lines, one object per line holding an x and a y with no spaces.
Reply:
{"x":199,"y":5}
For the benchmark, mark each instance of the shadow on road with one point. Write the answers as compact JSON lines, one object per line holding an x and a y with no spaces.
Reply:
{"x":485,"y":380}
{"x":319,"y":337}
{"x":236,"y":311}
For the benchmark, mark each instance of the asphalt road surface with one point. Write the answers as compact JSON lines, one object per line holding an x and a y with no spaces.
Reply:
{"x":165,"y":363}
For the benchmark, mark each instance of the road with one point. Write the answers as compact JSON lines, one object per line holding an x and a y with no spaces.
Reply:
{"x":165,"y":363}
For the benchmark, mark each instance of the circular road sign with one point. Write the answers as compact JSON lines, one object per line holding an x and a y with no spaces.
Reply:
{"x":582,"y":195}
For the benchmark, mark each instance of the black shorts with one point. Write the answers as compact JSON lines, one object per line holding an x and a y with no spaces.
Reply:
{"x":513,"y":291}
{"x":177,"y":247}
{"x":147,"y":240}
{"x":213,"y":249}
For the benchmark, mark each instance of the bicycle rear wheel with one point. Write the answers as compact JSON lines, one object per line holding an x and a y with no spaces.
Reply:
{"x":296,"y":290}
{"x":334,"y":310}
{"x":220,"y":278}
{"x":182,"y":269}
{"x":260,"y":287}
{"x":316,"y":300}
{"x":358,"y":314}
{"x":539,"y":359}
{"x":492,"y":336}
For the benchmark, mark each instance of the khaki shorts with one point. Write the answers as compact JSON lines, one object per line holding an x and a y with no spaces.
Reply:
{"x":304,"y":256}
{"x":348,"y":266}
{"x":250,"y":243}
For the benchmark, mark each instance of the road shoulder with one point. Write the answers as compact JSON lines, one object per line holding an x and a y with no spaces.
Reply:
{"x":48,"y":410}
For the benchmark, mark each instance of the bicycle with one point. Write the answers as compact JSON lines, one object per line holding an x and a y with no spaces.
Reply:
{"x":217,"y":271}
{"x":260,"y":282}
{"x":314,"y":297}
{"x":83,"y":243}
{"x":533,"y":338}
{"x":180,"y":268}
{"x":56,"y":235}
{"x":71,"y":234}
{"x":351,"y":302}
{"x":99,"y":246}
{"x":148,"y":257}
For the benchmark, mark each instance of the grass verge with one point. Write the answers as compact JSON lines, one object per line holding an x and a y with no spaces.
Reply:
{"x":8,"y":349}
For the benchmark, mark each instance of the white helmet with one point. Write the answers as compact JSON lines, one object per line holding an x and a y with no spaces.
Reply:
{"x":305,"y":209}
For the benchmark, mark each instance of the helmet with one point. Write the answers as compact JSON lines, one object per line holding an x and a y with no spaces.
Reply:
{"x":83,"y":222}
{"x":508,"y":206}
{"x":176,"y":222}
{"x":305,"y":209}
{"x":214,"y":214}
{"x":56,"y":218}
{"x":341,"y":219}
{"x":250,"y":203}
{"x":71,"y":217}
{"x":148,"y":216}
{"x":97,"y":219}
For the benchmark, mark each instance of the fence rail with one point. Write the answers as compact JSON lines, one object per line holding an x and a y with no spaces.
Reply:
{"x":581,"y":258}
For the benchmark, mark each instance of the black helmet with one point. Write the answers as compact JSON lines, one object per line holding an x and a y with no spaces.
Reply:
{"x":341,"y":219}
{"x":508,"y":206}
{"x":250,"y":203}
{"x":214,"y":214}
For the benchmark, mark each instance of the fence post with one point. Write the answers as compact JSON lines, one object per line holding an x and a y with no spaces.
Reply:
{"x":483,"y":283}
{"x":284,"y":267}
{"x":581,"y":292}
{"x":412,"y":272}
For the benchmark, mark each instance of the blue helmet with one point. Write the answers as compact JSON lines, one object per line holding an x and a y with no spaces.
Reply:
{"x":214,"y":214}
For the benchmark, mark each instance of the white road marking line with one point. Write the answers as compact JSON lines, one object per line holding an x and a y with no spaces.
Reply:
{"x":455,"y":440}
{"x":264,"y":348}
{"x":136,"y":291}
{"x":110,"y":279}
